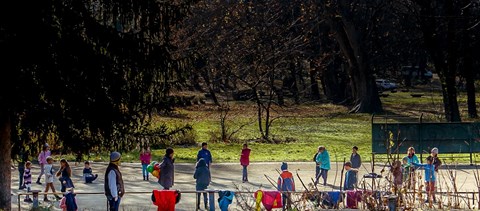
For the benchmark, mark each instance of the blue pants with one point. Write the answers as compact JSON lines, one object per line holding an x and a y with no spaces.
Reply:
{"x":21,"y":170}
{"x":144,"y":170}
{"x":317,"y":172}
{"x":114,"y":205}
{"x":205,"y":199}
{"x":90,"y":178}
{"x":354,"y":178}
{"x":324,"y":174}
{"x":285,"y":200}
{"x":244,"y":174}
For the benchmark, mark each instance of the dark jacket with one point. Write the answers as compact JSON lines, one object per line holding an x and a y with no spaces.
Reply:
{"x":166,"y":173}
{"x":356,"y":160}
{"x":202,"y":174}
{"x":119,"y":181}
{"x":436,"y":162}
{"x":349,"y":183}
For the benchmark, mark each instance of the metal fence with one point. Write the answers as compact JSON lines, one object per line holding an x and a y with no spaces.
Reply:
{"x":300,"y":200}
{"x":390,"y":136}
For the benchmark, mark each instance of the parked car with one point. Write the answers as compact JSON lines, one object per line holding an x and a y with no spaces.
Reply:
{"x":415,"y":71}
{"x":383,"y":84}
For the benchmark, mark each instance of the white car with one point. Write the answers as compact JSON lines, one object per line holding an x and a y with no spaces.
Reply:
{"x":383,"y":84}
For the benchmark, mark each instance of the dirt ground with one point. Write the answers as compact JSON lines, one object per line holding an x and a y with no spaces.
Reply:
{"x":225,"y":176}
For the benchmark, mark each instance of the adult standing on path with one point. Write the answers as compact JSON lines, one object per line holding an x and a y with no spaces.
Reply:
{"x":324,"y":159}
{"x":205,"y":154}
{"x":114,"y":188}
{"x":356,"y":162}
{"x":42,"y":160}
{"x":167,"y":169}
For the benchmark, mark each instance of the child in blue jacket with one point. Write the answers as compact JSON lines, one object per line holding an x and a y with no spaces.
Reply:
{"x":429,"y":178}
{"x":285,"y":183}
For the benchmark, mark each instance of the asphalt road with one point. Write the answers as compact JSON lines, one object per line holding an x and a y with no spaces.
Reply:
{"x":225,"y":176}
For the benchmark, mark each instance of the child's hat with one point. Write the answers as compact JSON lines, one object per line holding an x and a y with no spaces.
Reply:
{"x":115,"y":156}
{"x":435,"y":150}
{"x":284,"y":166}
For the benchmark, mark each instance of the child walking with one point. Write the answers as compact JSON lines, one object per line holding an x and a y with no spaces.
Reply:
{"x":245,"y":161}
{"x":27,"y":180}
{"x":88,"y":173}
{"x":42,"y":160}
{"x":48,"y":170}
{"x":429,"y":179}
{"x":145,"y":158}
{"x":202,"y":174}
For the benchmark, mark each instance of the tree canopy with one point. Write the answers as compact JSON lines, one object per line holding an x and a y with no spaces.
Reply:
{"x":90,"y":70}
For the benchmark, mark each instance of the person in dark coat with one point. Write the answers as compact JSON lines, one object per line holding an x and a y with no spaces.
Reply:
{"x":356,"y":162}
{"x":166,"y":170}
{"x":202,"y":174}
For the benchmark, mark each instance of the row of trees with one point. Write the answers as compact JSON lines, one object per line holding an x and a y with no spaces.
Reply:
{"x":273,"y":47}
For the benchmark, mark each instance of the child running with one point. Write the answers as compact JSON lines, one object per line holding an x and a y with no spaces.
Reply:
{"x":145,"y":157}
{"x":48,"y":170}
{"x":27,"y":180}
{"x":245,"y":161}
{"x":88,"y":173}
{"x":202,"y":174}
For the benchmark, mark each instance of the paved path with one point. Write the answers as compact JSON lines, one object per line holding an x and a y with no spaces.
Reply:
{"x":225,"y":176}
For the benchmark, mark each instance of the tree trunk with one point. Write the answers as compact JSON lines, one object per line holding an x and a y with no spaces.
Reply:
{"x":5,"y":157}
{"x":206,"y":78}
{"x":468,"y":72}
{"x":444,"y":59}
{"x":294,"y":86}
{"x":364,"y":90}
{"x":471,"y":98}
{"x":452,"y":114}
{"x":315,"y":96}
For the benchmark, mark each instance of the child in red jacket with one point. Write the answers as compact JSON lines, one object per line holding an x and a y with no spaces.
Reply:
{"x":245,"y":161}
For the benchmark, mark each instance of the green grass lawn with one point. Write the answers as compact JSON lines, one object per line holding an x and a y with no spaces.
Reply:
{"x":310,"y":125}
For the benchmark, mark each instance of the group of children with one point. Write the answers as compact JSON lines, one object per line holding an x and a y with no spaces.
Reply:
{"x":47,"y":169}
{"x":403,"y":172}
